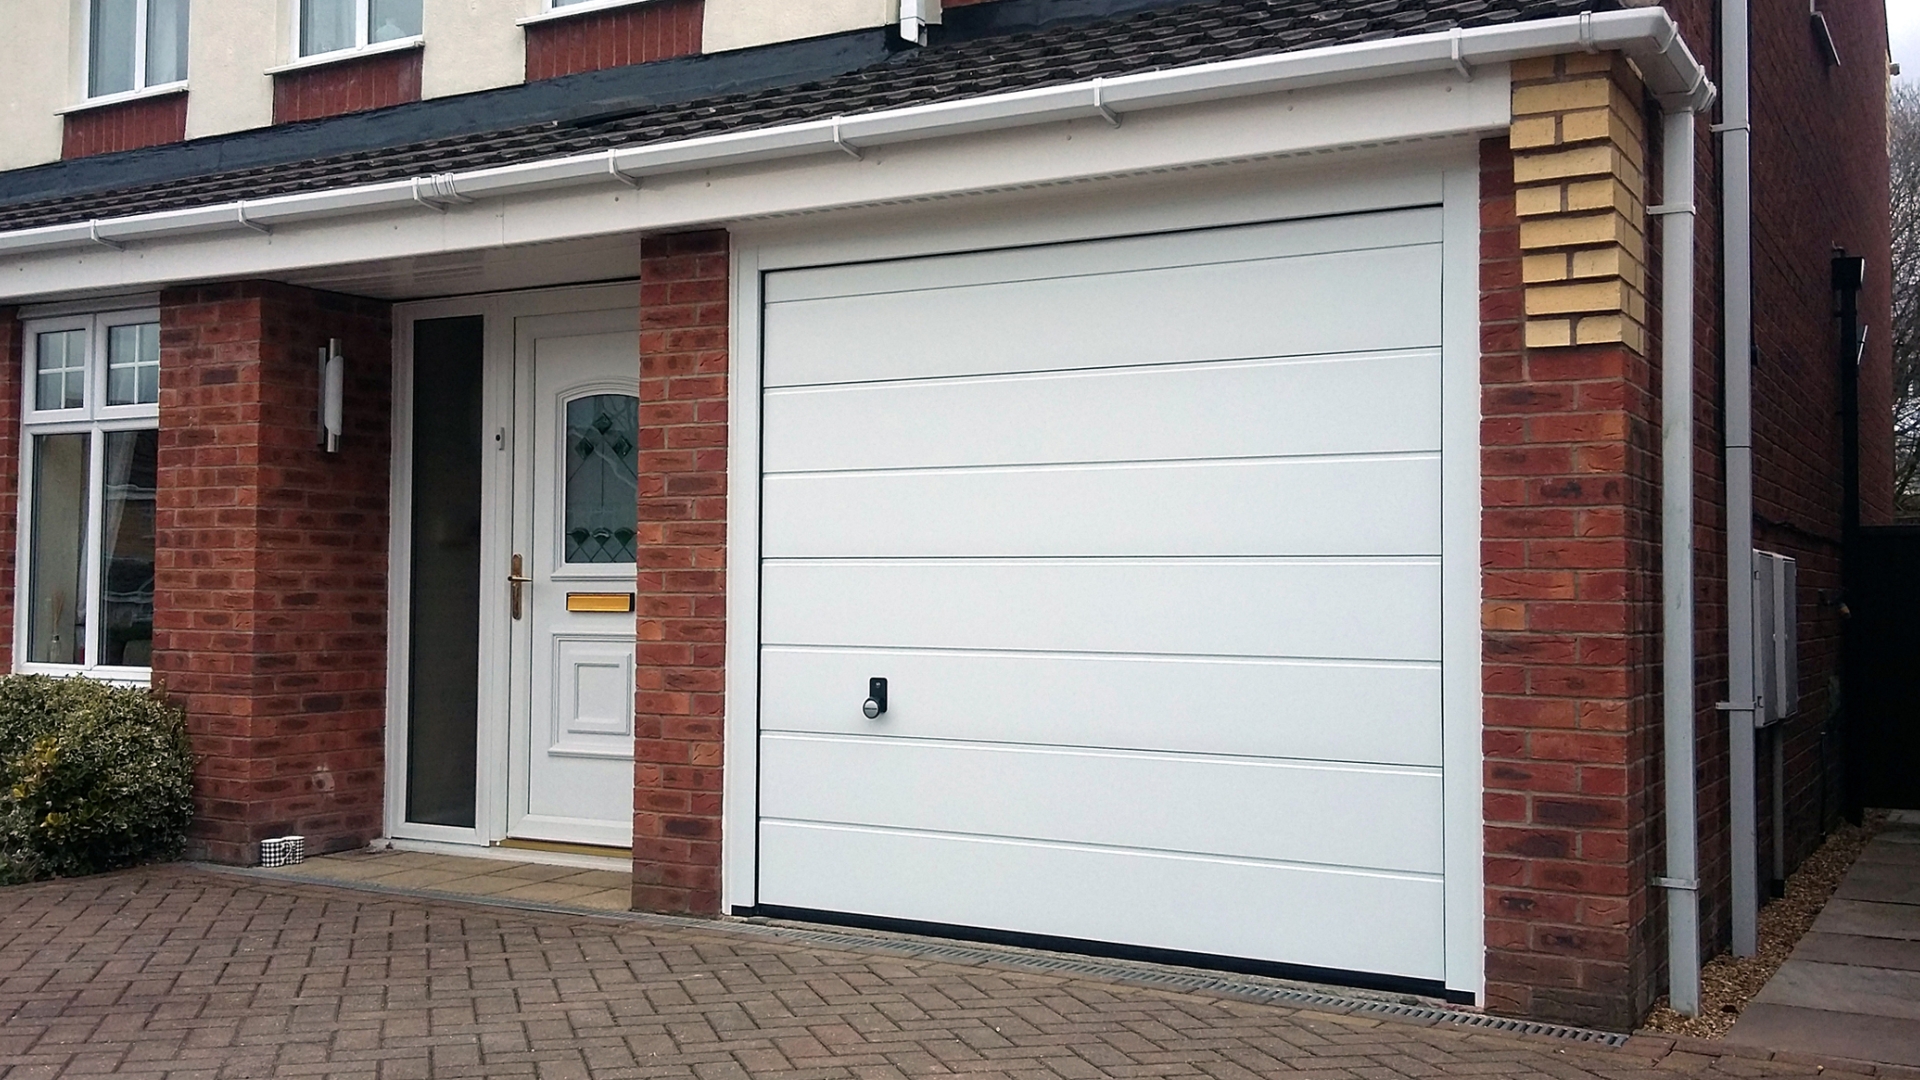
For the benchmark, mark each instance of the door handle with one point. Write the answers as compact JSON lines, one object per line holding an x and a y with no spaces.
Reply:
{"x":876,"y":702}
{"x":516,"y":581}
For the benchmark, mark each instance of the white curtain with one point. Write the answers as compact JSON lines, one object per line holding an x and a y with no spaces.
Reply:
{"x":166,"y":41}
{"x":325,"y":26}
{"x":110,"y":34}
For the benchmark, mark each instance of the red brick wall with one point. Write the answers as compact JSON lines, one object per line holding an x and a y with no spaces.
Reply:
{"x":271,"y":576}
{"x":1570,"y":608}
{"x":627,"y":35}
{"x":347,"y":86}
{"x":12,"y":369}
{"x":127,"y":126}
{"x":1559,"y":423}
{"x":1816,"y":130}
{"x":682,"y":574}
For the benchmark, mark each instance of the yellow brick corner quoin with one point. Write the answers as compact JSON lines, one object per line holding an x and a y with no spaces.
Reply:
{"x":1579,"y":165}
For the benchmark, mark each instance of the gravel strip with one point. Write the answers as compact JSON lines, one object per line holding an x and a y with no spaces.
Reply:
{"x":1728,"y":982}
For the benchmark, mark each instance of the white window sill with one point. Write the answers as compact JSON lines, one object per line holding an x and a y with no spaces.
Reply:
{"x":570,"y":10}
{"x":108,"y":101}
{"x":343,"y":56}
{"x":141,"y":678}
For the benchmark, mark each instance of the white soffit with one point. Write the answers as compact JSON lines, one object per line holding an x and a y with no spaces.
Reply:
{"x":1401,"y":89}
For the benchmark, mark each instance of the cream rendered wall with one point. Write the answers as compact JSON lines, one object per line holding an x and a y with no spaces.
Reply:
{"x":29,"y":91}
{"x":472,"y":45}
{"x":737,"y":24}
{"x":230,"y":46}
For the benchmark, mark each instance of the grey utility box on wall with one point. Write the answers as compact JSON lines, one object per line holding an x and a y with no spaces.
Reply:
{"x":1776,"y":637}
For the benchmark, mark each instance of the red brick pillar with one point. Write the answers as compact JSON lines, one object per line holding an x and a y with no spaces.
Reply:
{"x":270,"y":589}
{"x":13,"y":359}
{"x":1570,"y":652}
{"x":682,"y":574}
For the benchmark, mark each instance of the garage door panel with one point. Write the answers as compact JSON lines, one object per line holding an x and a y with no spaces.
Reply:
{"x":1375,"y":609}
{"x":1145,"y":536}
{"x":1279,"y":239}
{"x":1344,"y":302}
{"x":1158,"y":509}
{"x":1385,"y":923}
{"x":1291,"y":811}
{"x":1366,"y":403}
{"x":1382,"y":713}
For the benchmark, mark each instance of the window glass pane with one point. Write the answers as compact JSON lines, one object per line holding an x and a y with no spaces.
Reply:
{"x":126,"y":549}
{"x":110,"y":32}
{"x":443,"y":653}
{"x":133,"y":364}
{"x":57,"y":623}
{"x":603,"y":478}
{"x":326,"y":25}
{"x":61,"y":369}
{"x":166,"y":41}
{"x":390,"y":19}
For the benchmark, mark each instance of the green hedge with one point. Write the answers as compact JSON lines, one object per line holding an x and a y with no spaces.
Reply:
{"x":92,"y":777}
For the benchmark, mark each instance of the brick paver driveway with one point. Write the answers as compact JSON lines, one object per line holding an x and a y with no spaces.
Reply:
{"x":178,"y":972}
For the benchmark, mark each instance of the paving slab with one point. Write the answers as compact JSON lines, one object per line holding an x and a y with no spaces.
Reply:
{"x":1864,"y":951}
{"x":1846,"y":988}
{"x":1881,"y":1039}
{"x":1881,"y":882}
{"x":1870,"y":918}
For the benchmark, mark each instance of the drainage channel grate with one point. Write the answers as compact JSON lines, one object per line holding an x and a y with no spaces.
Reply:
{"x":1238,"y":987}
{"x":1246,"y":989}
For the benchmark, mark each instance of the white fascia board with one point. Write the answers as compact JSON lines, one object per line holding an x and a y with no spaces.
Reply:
{"x":1648,"y":35}
{"x":1305,"y":124}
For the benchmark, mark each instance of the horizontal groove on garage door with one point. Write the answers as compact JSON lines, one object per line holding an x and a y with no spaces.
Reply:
{"x":1361,"y":920}
{"x":1228,"y":244}
{"x":1306,"y":306}
{"x":1352,"y":404}
{"x":1098,"y":510}
{"x":1289,"y":811}
{"x":1379,"y":608}
{"x":1338,"y":710}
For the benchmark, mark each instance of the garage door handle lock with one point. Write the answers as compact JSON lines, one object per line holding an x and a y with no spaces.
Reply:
{"x":876,"y":702}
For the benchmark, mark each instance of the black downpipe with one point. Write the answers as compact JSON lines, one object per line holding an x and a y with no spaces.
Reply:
{"x":1849,"y":276}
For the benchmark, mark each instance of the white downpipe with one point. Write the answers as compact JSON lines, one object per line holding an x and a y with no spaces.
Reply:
{"x":1647,"y":35}
{"x":1682,"y":881}
{"x":1736,"y":198}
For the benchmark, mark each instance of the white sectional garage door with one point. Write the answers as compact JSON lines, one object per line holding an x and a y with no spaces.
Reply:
{"x":1144,"y":535}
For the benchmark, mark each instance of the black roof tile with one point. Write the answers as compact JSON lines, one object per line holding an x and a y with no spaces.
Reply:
{"x":974,"y":56}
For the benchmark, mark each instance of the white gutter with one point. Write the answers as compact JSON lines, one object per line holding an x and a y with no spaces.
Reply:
{"x":1736,"y":156}
{"x":1647,"y":35}
{"x":1682,"y":880}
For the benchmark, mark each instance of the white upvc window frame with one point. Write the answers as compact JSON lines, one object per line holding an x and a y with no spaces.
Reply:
{"x":362,"y":16}
{"x":95,"y":418}
{"x":141,"y":88}
{"x":554,"y":10}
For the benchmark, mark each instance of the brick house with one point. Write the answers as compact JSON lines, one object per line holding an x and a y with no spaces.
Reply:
{"x":1173,"y":477}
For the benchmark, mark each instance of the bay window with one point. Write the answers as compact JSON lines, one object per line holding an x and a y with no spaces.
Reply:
{"x":90,"y":443}
{"x":135,"y":45}
{"x":338,"y":25}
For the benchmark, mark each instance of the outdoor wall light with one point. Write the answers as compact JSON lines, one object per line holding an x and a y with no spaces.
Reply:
{"x":333,"y":394}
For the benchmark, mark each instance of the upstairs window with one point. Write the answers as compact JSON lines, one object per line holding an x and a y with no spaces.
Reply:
{"x":87,"y":497}
{"x":338,"y":25}
{"x":135,"y":45}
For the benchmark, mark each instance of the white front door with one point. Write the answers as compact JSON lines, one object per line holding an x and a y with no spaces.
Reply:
{"x":577,"y":458}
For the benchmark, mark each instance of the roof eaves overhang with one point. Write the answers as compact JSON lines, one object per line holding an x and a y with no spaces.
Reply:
{"x":1648,"y":36}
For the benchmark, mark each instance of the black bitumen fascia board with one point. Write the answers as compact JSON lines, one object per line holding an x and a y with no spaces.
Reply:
{"x":568,"y":99}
